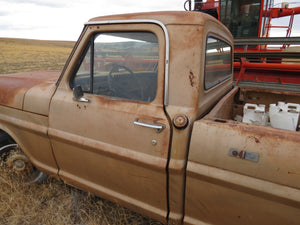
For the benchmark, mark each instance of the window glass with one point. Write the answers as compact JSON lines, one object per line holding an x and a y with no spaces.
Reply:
{"x":241,"y":17}
{"x":123,"y":65}
{"x":218,"y":62}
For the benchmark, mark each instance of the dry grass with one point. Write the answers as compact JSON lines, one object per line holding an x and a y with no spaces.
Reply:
{"x":52,"y":202}
{"x":20,"y":55}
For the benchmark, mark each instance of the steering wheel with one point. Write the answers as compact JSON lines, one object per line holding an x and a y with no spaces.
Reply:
{"x":121,"y":90}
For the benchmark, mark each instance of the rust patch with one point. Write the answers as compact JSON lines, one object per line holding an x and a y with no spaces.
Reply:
{"x":254,"y":138}
{"x":192,"y":77}
{"x":259,"y":132}
{"x":14,"y":86}
{"x":11,"y":87}
{"x":167,"y":17}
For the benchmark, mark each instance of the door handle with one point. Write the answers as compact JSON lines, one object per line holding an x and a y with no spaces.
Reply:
{"x":157,"y":126}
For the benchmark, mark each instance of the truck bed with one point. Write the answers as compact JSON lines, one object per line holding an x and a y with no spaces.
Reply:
{"x":277,"y":150}
{"x":235,"y":168}
{"x":233,"y":103}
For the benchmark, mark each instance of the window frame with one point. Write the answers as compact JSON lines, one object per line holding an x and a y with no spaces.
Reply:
{"x":79,"y":62}
{"x":91,"y":45}
{"x":227,"y":77}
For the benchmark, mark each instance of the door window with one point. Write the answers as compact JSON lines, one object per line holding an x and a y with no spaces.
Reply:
{"x":121,"y":65}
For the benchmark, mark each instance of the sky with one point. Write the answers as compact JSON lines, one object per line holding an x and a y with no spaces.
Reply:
{"x":64,"y":19}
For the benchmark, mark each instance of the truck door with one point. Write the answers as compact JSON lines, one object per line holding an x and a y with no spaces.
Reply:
{"x":114,"y":140}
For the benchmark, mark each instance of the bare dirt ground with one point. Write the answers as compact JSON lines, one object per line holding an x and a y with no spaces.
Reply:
{"x":51,"y":202}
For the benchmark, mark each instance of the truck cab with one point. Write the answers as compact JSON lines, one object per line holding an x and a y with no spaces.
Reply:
{"x":138,"y":75}
{"x":123,"y":121}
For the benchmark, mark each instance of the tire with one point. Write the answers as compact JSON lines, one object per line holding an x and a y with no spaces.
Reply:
{"x":4,"y":139}
{"x":18,"y":165}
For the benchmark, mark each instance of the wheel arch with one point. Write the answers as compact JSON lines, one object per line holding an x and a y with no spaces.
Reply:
{"x":9,"y":136}
{"x":6,"y":136}
{"x":35,"y":145}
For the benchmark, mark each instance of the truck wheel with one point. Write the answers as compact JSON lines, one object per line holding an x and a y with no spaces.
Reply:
{"x":19,"y":166}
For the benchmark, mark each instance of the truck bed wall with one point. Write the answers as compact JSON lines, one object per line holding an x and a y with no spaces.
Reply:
{"x":241,"y":173}
{"x":232,"y":104}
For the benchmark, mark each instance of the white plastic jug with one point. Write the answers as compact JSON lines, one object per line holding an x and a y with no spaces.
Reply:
{"x":284,"y":116}
{"x":255,"y":114}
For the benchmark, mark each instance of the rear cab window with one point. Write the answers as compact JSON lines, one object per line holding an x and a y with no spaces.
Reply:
{"x":218,"y":62}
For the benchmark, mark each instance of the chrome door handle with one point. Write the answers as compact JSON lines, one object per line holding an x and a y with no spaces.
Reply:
{"x":157,"y":126}
{"x":81,"y":99}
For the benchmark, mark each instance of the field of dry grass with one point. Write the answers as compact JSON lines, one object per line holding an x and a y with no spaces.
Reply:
{"x":20,"y":55}
{"x":51,"y":202}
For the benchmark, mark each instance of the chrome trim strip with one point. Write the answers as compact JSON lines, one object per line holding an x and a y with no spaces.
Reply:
{"x":166,"y":91}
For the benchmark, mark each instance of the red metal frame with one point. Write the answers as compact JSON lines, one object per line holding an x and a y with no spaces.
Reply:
{"x":265,"y":70}
{"x":281,"y":12}
{"x":260,"y":17}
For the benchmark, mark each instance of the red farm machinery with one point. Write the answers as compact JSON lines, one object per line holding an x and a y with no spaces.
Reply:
{"x":259,"y":57}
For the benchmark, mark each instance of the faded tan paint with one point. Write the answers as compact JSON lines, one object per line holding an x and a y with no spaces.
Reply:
{"x":217,"y":196}
{"x":208,"y":98}
{"x":98,"y":147}
{"x":14,"y":86}
{"x":263,"y":192}
{"x":188,"y":175}
{"x":37,"y":99}
{"x":30,"y":132}
{"x":167,"y":17}
{"x":187,"y":96}
{"x":278,"y":162}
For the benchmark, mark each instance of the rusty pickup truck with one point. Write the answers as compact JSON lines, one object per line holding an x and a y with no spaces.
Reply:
{"x":143,"y":114}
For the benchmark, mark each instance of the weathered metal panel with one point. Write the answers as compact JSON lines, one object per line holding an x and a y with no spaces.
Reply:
{"x":233,"y":189}
{"x":278,"y":150}
{"x":37,"y":99}
{"x":188,"y":97}
{"x":30,"y":131}
{"x":170,"y":17}
{"x":99,"y":148}
{"x":221,"y":197}
{"x":14,"y":86}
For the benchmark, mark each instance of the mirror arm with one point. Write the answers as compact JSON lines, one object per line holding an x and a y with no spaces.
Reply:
{"x":78,"y":94}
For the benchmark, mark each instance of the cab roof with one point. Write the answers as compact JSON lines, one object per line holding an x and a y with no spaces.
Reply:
{"x":165,"y":17}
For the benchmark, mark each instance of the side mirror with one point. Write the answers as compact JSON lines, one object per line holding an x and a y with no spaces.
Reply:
{"x":78,"y":94}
